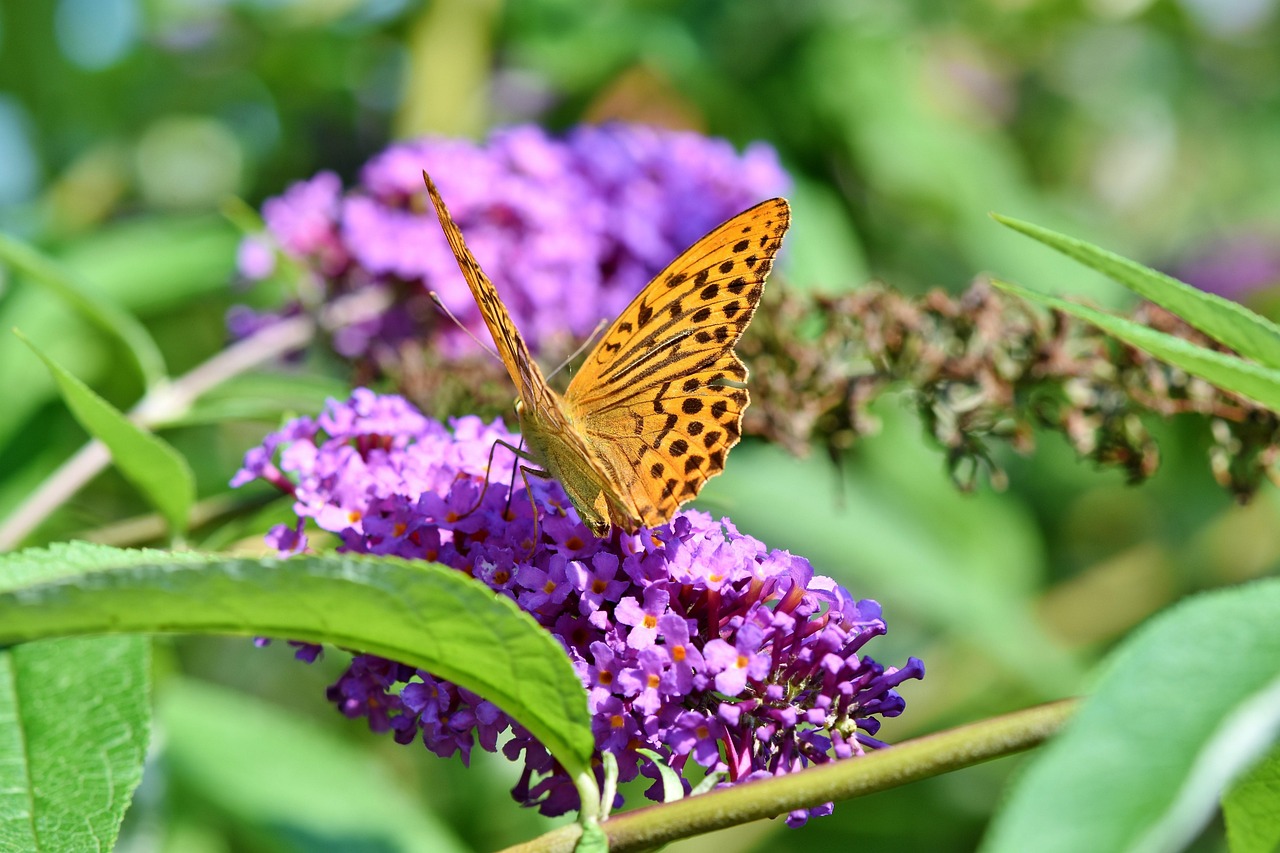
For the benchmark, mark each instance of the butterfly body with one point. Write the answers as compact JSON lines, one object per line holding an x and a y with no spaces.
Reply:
{"x":656,"y":406}
{"x":552,"y":445}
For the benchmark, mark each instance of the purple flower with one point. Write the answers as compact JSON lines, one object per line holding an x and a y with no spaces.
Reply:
{"x":304,"y":222}
{"x":256,"y":257}
{"x":643,"y":620}
{"x":614,"y":725}
{"x":597,"y":581}
{"x":602,"y":674}
{"x":287,"y":540}
{"x":735,"y":664}
{"x":569,"y":229}
{"x":687,"y":663}
{"x":699,"y":734}
{"x":544,"y":587}
{"x":691,"y":638}
{"x":646,"y":682}
{"x":1235,"y":268}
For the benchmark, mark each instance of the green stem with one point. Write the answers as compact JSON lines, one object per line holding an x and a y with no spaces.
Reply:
{"x":917,"y":759}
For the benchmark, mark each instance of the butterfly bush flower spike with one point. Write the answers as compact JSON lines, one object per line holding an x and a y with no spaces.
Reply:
{"x":692,"y":639}
{"x":570,"y":227}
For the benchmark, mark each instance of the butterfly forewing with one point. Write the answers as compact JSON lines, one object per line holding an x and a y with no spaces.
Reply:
{"x":530,"y":383}
{"x":660,"y":398}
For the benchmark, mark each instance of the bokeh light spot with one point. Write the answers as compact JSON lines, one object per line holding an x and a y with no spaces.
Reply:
{"x":17,"y":153}
{"x":188,"y":162}
{"x":96,"y":34}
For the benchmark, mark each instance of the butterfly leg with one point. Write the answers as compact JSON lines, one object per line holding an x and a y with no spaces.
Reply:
{"x":511,"y":487}
{"x":520,"y":454}
{"x":525,"y":470}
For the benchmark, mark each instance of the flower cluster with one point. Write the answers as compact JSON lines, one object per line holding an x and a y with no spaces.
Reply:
{"x":1241,"y":267}
{"x":983,"y":369}
{"x":692,"y":639}
{"x":569,"y":229}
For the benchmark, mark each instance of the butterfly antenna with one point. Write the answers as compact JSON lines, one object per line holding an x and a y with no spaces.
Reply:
{"x":581,"y":348}
{"x":435,"y":297}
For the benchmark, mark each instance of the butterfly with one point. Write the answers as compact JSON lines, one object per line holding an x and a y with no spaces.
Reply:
{"x":657,"y":405}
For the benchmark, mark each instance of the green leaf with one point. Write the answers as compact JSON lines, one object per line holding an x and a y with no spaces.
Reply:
{"x":76,"y":718}
{"x":421,"y":614}
{"x":1249,"y":334}
{"x":244,"y":216}
{"x":147,"y":264}
{"x":1226,"y":371}
{"x":90,"y":302}
{"x":289,"y":777}
{"x":708,"y":783}
{"x":1252,"y":809}
{"x":1184,"y":705}
{"x":158,"y":471}
{"x":152,"y":263}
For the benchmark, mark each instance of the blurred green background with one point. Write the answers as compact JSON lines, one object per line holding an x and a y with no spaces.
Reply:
{"x":1147,"y":126}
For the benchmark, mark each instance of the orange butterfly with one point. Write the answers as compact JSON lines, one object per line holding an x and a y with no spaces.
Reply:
{"x":658,"y":403}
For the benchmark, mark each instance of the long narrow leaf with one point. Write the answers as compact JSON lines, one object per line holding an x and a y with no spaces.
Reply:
{"x":421,"y":614}
{"x":1249,"y":334}
{"x":158,"y":471}
{"x":96,"y":307}
{"x":1228,"y":372}
{"x":1181,"y":708}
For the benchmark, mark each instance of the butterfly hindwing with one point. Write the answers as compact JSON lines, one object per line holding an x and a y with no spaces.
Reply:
{"x":674,"y":440}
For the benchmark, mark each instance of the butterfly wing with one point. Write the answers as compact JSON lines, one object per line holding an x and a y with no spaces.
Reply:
{"x":660,"y":397}
{"x":530,"y":383}
{"x":552,"y":440}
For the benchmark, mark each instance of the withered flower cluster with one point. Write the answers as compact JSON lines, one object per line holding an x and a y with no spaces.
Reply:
{"x":984,"y":367}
